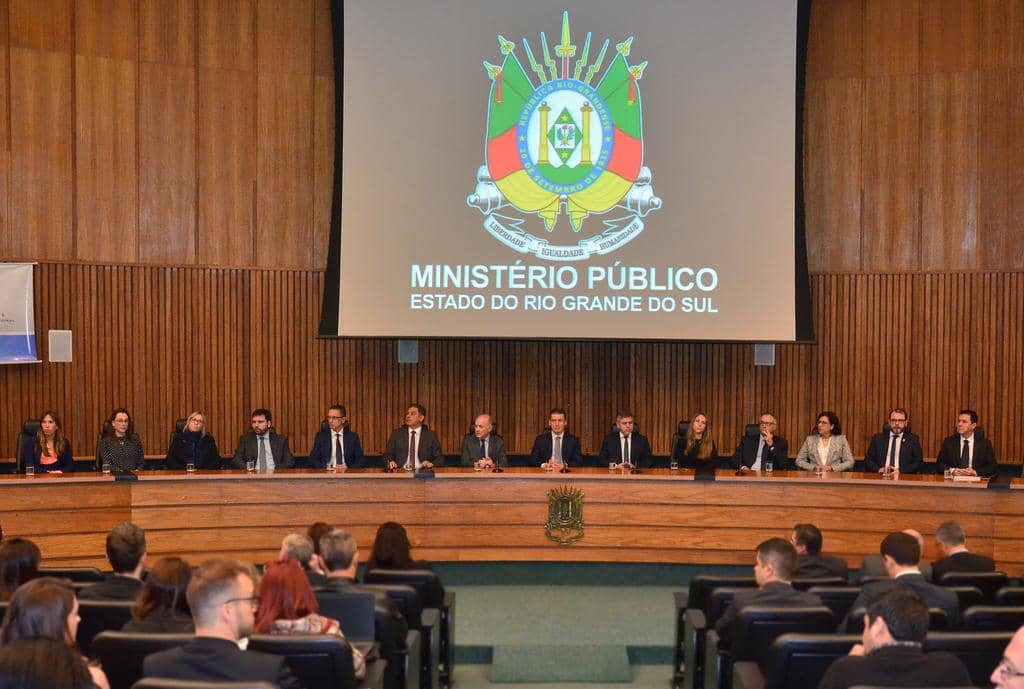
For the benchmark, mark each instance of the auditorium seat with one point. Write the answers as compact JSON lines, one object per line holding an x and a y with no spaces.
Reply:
{"x":979,"y":651}
{"x":795,"y":661}
{"x":937,"y":620}
{"x":23,"y":448}
{"x":319,"y":661}
{"x":967,"y":596}
{"x":427,"y":622}
{"x":121,"y":653}
{"x":696,"y":624}
{"x":805,"y":583}
{"x":839,"y":599}
{"x":993,"y":618}
{"x":1010,"y":595}
{"x":100,"y":616}
{"x":987,"y":582}
{"x":354,"y":611}
{"x":691,"y":609}
{"x":84,"y":575}
{"x":161,"y":683}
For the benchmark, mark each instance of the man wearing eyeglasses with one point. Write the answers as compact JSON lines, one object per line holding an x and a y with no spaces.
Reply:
{"x":222,"y":597}
{"x":896,"y":449}
{"x":754,"y":450}
{"x":337,"y":445}
{"x":1009,"y":674}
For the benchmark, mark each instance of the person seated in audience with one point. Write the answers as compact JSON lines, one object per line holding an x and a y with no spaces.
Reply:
{"x":126,"y":553}
{"x":299,"y":547}
{"x":891,"y":650}
{"x":807,"y":540}
{"x":262,"y":445}
{"x":193,"y":445}
{"x":392,"y":550}
{"x":900,"y":556}
{"x":775,"y":562}
{"x":162,"y":606}
{"x":19,"y":562}
{"x":827,"y":449}
{"x":953,"y":543}
{"x":120,"y":447}
{"x":696,"y":449}
{"x":483,"y":448}
{"x":288,"y":606}
{"x":46,"y":608}
{"x":624,"y":447}
{"x":1009,"y":674}
{"x":315,"y":531}
{"x":967,"y":452}
{"x":413,"y":446}
{"x":223,"y":600}
{"x":40,"y":663}
{"x":874,"y":565}
{"x":898,"y":448}
{"x":753,"y":451}
{"x":337,"y":445}
{"x":51,"y":451}
{"x":556,"y":448}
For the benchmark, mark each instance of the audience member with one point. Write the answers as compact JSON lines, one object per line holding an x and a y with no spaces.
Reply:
{"x":807,"y":540}
{"x":392,"y":550}
{"x":898,"y":448}
{"x":483,"y":448}
{"x":288,"y":606}
{"x":262,"y":445}
{"x":753,"y":451}
{"x":337,"y":445}
{"x":46,"y":608}
{"x":126,"y":553}
{"x":315,"y":531}
{"x":625,"y":446}
{"x":413,"y":446}
{"x":163,"y":606}
{"x":827,"y":449}
{"x":967,"y":452}
{"x":120,"y":447}
{"x":900,"y":556}
{"x":40,"y":663}
{"x":1009,"y":674}
{"x":222,"y":597}
{"x":697,"y":448}
{"x":51,"y":451}
{"x":556,"y":448}
{"x":193,"y":445}
{"x":891,"y":653}
{"x":299,"y":547}
{"x":874,"y":565}
{"x":953,"y":543}
{"x":19,"y":562}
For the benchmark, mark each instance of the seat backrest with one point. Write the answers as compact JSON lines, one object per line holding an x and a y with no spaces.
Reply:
{"x":719,"y":601}
{"x":22,"y":450}
{"x":121,"y":653}
{"x":100,"y":616}
{"x":867,"y":579}
{"x":353,"y":610}
{"x":937,"y":620}
{"x":967,"y":596}
{"x":839,"y":599}
{"x":752,"y":430}
{"x":979,"y":651}
{"x":89,"y":575}
{"x":319,"y":661}
{"x":407,"y":599}
{"x":425,"y":581}
{"x":702,"y":585}
{"x":162,"y":683}
{"x":993,"y":618}
{"x":759,"y":625}
{"x":987,"y":582}
{"x":805,"y":583}
{"x":1010,"y":595}
{"x":800,"y":660}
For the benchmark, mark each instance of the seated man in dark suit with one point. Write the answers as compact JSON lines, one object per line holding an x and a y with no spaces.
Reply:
{"x":126,"y":553}
{"x":336,"y":445}
{"x":953,"y":544}
{"x":967,"y":452}
{"x":891,"y":654}
{"x":299,"y":547}
{"x":874,"y":565}
{"x":773,"y":570}
{"x":413,"y":446}
{"x":898,"y":448}
{"x":222,"y":597}
{"x":263,"y":445}
{"x":624,"y":447}
{"x":753,"y":451}
{"x":900,"y":554}
{"x":483,"y":448}
{"x":556,"y":447}
{"x":808,"y":540}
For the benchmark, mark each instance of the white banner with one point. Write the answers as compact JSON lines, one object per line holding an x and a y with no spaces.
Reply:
{"x":17,"y":319}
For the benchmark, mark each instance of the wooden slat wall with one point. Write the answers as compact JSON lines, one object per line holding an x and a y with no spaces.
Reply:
{"x":171,"y":163}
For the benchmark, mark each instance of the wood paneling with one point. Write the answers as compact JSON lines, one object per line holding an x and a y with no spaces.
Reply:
{"x":892,"y":38}
{"x":284,"y":36}
{"x":842,"y":55}
{"x":5,"y":135}
{"x":227,"y":34}
{"x":323,"y":167}
{"x":107,"y":28}
{"x":41,"y":24}
{"x":167,"y":31}
{"x":949,"y":35}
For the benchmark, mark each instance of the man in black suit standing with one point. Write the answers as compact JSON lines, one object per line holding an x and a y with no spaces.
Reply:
{"x":898,"y":448}
{"x":754,"y":450}
{"x":222,"y":596}
{"x":262,"y":445}
{"x":126,"y":553}
{"x":807,"y":540}
{"x":483,"y":448}
{"x":891,"y":654}
{"x":336,"y":445}
{"x":413,"y":446}
{"x":953,"y":544}
{"x":556,"y":448}
{"x":968,"y":452}
{"x":623,"y":447}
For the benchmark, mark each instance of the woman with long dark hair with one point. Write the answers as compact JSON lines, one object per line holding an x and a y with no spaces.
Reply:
{"x":120,"y":447}
{"x":19,"y":562}
{"x":51,"y":451}
{"x":162,"y":606}
{"x":392,"y":550}
{"x":38,"y":663}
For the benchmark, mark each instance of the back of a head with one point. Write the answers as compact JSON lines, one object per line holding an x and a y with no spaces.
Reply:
{"x":298,"y":547}
{"x":19,"y":562}
{"x":285,"y":594}
{"x":213,"y":583}
{"x":165,"y":589}
{"x":902,"y":548}
{"x":337,"y":548}
{"x":315,"y":531}
{"x":950,"y":534}
{"x":809,"y":536}
{"x":126,"y":544}
{"x":41,"y":663}
{"x":391,"y":547}
{"x":781,"y":554}
{"x":40,"y":608}
{"x":905,"y":614}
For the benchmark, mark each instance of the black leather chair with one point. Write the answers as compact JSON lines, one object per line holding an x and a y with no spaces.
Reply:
{"x":84,"y":575}
{"x":979,"y":651}
{"x":100,"y":616}
{"x":871,"y":577}
{"x":692,"y":609}
{"x":160,"y":683}
{"x":426,"y":622}
{"x":838,"y":599}
{"x":1010,"y":595}
{"x":937,"y":620}
{"x":806,"y":583}
{"x":987,"y":582}
{"x":702,"y":585}
{"x":318,"y":661}
{"x":993,"y":618}
{"x":967,"y":596}
{"x":795,"y":661}
{"x":354,"y":611}
{"x":122,"y":653}
{"x":23,"y":448}
{"x":679,"y":438}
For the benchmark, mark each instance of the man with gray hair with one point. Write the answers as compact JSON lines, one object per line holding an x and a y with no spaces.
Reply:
{"x":299,"y":547}
{"x":953,"y":543}
{"x":126,"y":553}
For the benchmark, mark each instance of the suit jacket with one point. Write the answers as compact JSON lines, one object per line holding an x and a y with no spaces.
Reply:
{"x":746,"y":452}
{"x":639,"y":450}
{"x":209,"y":659}
{"x":428,"y":447}
{"x":248,"y":449}
{"x":897,"y":666}
{"x":495,"y":448}
{"x":839,"y":456}
{"x":65,"y":462}
{"x":116,"y":587}
{"x":775,"y":593}
{"x":984,"y":461}
{"x":542,"y":448}
{"x":910,"y":459}
{"x":821,"y":566}
{"x":320,"y":455}
{"x":873,"y":566}
{"x":179,"y":453}
{"x":934,"y":596}
{"x":962,"y":562}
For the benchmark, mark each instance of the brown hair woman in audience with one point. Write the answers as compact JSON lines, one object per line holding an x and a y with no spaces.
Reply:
{"x":392,"y":550}
{"x":46,"y":608}
{"x":19,"y":562}
{"x":194,"y":445}
{"x":696,"y":448}
{"x":37,"y":663}
{"x":51,"y":451}
{"x":119,"y":446}
{"x":162,"y":606}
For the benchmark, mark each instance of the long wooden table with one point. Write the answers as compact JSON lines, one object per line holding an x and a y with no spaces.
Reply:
{"x":461,"y":515}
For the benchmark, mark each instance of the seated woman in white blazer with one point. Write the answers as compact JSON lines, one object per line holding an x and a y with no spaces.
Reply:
{"x":827,"y":448}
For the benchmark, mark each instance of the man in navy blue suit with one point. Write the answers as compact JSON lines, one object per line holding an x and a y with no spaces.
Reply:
{"x":337,"y":445}
{"x":897,"y":448}
{"x":624,"y":447}
{"x":556,"y":448}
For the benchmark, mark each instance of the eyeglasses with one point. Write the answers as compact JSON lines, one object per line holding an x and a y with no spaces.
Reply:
{"x":334,"y":417}
{"x":767,"y":423}
{"x":252,"y":600}
{"x":1006,"y":673}
{"x":892,"y":421}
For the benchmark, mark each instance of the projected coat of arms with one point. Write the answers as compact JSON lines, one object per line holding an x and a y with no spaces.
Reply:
{"x":561,"y":148}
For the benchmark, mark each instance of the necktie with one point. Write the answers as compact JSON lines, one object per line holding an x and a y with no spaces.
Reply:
{"x":261,"y":454}
{"x":892,"y":452}
{"x":625,"y":448}
{"x":339,"y":451}
{"x":411,"y":460}
{"x":965,"y":454}
{"x":557,"y":454}
{"x":760,"y":455}
{"x":483,"y":448}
